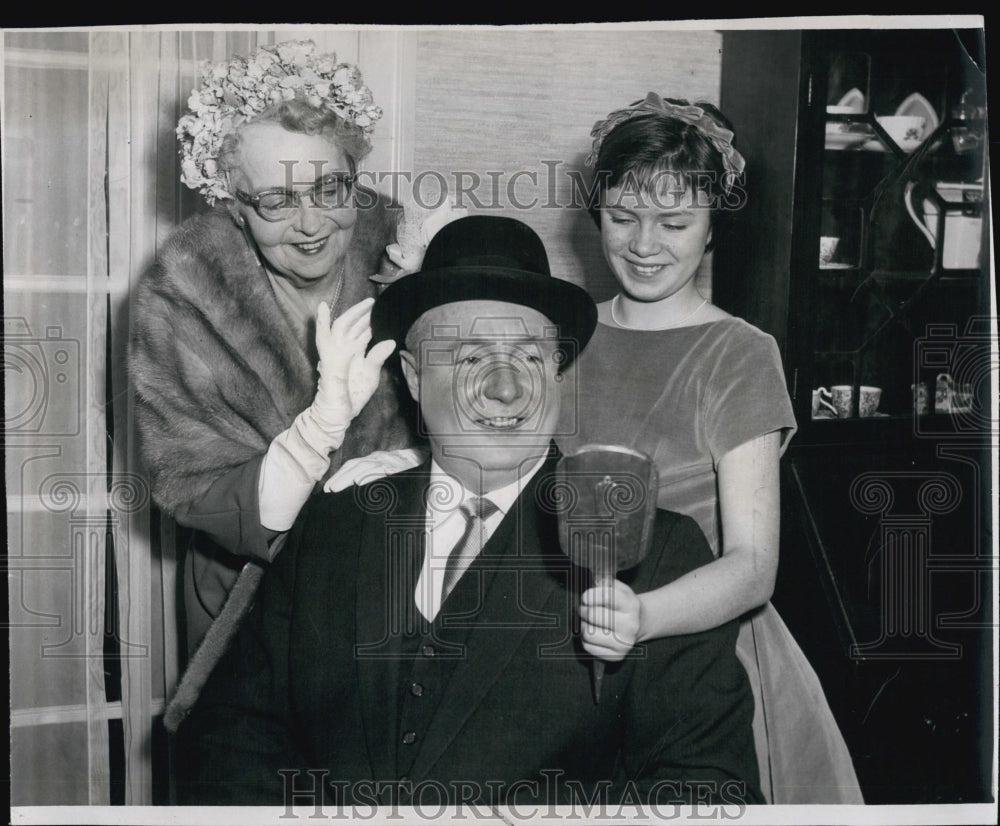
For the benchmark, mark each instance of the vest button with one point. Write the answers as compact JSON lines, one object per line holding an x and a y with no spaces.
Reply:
{"x":427,"y":651}
{"x":417,"y":690}
{"x":409,"y":738}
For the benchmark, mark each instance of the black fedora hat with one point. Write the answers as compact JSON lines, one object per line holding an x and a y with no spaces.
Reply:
{"x":485,"y":258}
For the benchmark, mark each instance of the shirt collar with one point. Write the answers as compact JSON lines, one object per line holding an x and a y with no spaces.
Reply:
{"x":446,"y":493}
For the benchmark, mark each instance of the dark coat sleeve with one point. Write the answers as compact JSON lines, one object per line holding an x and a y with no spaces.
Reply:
{"x":689,"y":709}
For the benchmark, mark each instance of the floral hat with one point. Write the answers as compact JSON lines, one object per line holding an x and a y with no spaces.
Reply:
{"x":236,"y":91}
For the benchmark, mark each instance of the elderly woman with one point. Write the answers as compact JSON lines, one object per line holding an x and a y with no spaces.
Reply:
{"x":246,"y":395}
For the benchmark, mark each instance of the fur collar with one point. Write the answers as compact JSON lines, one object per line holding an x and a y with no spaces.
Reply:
{"x":216,"y":368}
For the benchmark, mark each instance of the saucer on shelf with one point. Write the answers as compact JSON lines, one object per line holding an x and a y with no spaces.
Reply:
{"x":841,"y":135}
{"x":841,"y":142}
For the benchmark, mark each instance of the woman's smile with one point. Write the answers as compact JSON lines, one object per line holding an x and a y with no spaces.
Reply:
{"x":653,"y":251}
{"x":311,"y":247}
{"x":647,"y":269}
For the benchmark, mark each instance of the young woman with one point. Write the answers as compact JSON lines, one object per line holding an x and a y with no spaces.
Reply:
{"x":702,"y":393}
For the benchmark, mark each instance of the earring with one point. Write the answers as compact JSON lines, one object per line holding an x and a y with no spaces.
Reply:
{"x":240,"y":222}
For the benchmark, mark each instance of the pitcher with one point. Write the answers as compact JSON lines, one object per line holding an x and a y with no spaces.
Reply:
{"x":962,"y":232}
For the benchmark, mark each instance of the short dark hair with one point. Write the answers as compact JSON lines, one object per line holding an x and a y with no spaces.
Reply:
{"x":642,"y":152}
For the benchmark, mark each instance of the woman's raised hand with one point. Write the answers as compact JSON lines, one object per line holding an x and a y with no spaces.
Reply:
{"x":348,"y":377}
{"x":300,"y":456}
{"x":610,"y":615}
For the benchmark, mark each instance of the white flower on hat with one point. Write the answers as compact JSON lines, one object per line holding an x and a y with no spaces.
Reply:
{"x":414,"y":232}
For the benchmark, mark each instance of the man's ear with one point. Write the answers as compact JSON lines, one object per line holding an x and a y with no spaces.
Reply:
{"x":410,"y":372}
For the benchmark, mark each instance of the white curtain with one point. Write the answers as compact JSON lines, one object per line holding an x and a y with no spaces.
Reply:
{"x":90,"y":191}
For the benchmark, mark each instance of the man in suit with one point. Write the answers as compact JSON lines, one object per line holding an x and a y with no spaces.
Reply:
{"x":415,"y":642}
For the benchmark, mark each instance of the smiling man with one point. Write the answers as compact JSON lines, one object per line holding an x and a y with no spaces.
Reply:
{"x":415,"y":643}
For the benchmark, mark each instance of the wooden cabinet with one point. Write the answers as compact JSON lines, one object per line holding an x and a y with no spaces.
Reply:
{"x":861,"y":247}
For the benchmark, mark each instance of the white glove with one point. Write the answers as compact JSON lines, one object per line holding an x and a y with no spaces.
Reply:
{"x":347,"y":377}
{"x":300,"y":456}
{"x":374,"y":466}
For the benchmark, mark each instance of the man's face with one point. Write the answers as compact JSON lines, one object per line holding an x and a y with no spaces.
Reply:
{"x":485,"y":375}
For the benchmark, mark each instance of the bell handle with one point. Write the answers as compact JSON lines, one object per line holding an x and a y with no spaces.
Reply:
{"x":601,"y":580}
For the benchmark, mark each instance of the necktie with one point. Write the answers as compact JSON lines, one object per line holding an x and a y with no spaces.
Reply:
{"x":476,"y":511}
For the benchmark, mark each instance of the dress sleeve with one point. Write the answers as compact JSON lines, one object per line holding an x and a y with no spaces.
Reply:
{"x":229,"y":512}
{"x":745,"y":395}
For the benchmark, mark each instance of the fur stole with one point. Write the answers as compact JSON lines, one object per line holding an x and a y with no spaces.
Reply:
{"x":216,"y":367}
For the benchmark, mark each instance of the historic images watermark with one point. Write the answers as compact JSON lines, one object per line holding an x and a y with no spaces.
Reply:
{"x":551,"y":184}
{"x":954,"y":380}
{"x":550,"y":797}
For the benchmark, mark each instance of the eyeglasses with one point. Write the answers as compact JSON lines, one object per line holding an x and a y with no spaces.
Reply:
{"x":331,"y":192}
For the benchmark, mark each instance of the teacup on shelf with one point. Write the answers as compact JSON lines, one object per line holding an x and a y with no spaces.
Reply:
{"x":827,"y":249}
{"x":951,"y":396}
{"x":907,"y":131}
{"x":822,"y":408}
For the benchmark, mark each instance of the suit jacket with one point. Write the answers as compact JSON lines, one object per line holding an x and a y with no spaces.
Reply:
{"x":335,"y":672}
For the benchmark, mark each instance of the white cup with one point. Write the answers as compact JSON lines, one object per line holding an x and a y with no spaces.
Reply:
{"x":827,"y":249}
{"x":951,"y":396}
{"x":907,"y":131}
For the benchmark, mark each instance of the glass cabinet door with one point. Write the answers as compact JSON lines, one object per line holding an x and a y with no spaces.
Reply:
{"x":900,"y":226}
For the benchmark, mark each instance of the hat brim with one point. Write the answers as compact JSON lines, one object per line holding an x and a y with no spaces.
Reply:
{"x":565,"y":304}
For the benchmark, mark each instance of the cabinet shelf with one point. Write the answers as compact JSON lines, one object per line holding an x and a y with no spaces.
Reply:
{"x":853,"y":277}
{"x":903,"y":429}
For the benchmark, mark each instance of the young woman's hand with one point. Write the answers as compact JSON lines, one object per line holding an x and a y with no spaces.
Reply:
{"x":610,"y":619}
{"x":365,"y":469}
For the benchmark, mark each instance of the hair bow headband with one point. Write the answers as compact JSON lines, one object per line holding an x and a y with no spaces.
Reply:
{"x":720,"y":137}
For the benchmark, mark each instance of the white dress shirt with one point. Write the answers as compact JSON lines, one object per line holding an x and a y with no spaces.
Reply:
{"x":446,"y":523}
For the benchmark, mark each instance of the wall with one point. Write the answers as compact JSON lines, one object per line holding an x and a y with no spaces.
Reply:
{"x":503,"y":101}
